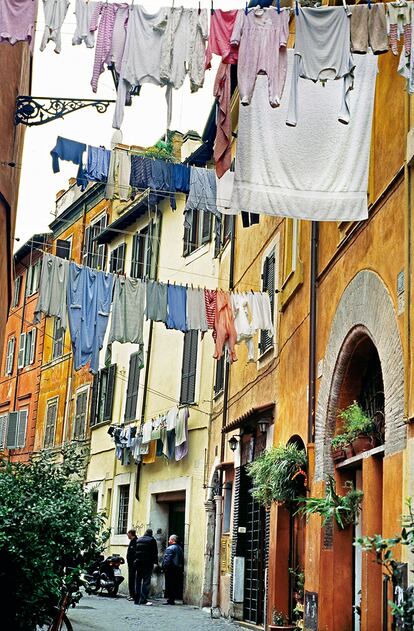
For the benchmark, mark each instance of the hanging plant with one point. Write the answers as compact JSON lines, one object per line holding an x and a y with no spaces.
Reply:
{"x":278,"y":474}
{"x":343,"y":509}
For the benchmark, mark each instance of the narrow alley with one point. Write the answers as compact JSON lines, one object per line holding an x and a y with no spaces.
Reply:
{"x":107,"y":614}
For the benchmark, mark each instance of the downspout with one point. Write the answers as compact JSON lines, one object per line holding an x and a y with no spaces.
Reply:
{"x":407,"y":269}
{"x":218,"y":499}
{"x":312,"y":330}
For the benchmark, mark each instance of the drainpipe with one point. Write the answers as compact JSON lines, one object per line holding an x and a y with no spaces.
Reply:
{"x":312,"y":330}
{"x":215,"y":609}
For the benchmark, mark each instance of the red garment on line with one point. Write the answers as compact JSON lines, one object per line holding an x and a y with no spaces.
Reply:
{"x":210,"y":298}
{"x":221,"y":28}
{"x":224,"y":325}
{"x":222,"y":144}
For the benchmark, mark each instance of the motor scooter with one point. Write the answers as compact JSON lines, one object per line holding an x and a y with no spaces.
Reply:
{"x":104,"y":574}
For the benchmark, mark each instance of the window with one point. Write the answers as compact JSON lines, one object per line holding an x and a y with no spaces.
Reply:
{"x":291,"y":246}
{"x":197,"y":230}
{"x":10,"y":355}
{"x":27,"y":348}
{"x":3,"y":429}
{"x":123,"y":507}
{"x":117,"y":260}
{"x":50,"y":426}
{"x":189,"y":367}
{"x":94,"y":253}
{"x":219,"y":380}
{"x":16,"y":291}
{"x":32,"y":278}
{"x":103,"y":395}
{"x":268,"y":284}
{"x":81,"y":406}
{"x":58,"y":339}
{"x":16,"y":429}
{"x":145,"y":251}
{"x":132,"y":388}
{"x":64,"y":248}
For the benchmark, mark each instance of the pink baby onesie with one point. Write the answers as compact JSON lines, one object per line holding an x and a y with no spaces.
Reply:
{"x":262,"y":37}
{"x":221,"y":28}
{"x":107,"y":13}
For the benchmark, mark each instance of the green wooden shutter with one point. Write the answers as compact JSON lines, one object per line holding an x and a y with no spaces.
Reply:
{"x":187,"y":234}
{"x":94,"y":400}
{"x":268,"y":284}
{"x":110,"y":389}
{"x":206,"y":227}
{"x":13,"y":421}
{"x":132,"y":388}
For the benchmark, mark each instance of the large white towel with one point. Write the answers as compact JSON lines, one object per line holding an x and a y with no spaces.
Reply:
{"x":317,"y":170}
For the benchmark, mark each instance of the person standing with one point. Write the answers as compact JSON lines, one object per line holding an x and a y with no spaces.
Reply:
{"x":146,"y":556}
{"x":130,"y":555}
{"x":173,"y":566}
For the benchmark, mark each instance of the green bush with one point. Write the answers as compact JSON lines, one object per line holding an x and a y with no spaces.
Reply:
{"x":341,"y":441}
{"x":357,"y":422}
{"x":47,"y":522}
{"x":278,"y":474}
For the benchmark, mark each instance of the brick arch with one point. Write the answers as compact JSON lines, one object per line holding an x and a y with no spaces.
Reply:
{"x":365,"y":308}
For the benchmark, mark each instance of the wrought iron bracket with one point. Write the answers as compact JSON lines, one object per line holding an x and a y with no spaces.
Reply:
{"x":39,"y":110}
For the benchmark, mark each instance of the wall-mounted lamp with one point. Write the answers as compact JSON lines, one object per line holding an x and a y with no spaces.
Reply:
{"x":233,"y":442}
{"x":263,"y":424}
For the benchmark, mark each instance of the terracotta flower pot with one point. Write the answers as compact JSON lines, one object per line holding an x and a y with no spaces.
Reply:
{"x":363,"y":443}
{"x":338,"y":454}
{"x":349,"y":451}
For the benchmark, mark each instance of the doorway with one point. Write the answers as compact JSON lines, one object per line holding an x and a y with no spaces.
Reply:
{"x":176,"y":521}
{"x":254,"y":584}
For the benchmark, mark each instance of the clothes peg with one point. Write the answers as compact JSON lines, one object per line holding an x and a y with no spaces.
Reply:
{"x":199,"y":8}
{"x":246,"y":8}
{"x":278,"y":6}
{"x":212,"y":8}
{"x":369,"y":4}
{"x":297,"y":8}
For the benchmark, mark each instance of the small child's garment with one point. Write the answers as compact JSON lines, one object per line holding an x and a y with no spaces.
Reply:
{"x":17,"y":18}
{"x":332,"y":60}
{"x":369,"y":28}
{"x":55,"y":13}
{"x":104,"y":15}
{"x":242,"y":323}
{"x":262,"y":37}
{"x":221,"y":28}
{"x":399,"y":22}
{"x":210,"y":299}
{"x":84,"y":12}
{"x":261,"y":310}
{"x":224,"y":326}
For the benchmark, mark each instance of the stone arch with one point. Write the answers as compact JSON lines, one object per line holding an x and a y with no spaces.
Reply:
{"x":365,"y":308}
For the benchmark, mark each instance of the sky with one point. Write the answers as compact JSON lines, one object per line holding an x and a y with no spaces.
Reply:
{"x":68,"y":74}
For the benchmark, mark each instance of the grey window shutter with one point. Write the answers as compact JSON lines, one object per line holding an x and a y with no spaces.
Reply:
{"x":22,"y":350}
{"x":268,"y":284}
{"x":12,"y":430}
{"x":94,"y":400}
{"x":217,"y":240}
{"x":148,"y":250}
{"x":63,"y":248}
{"x":110,"y":389}
{"x":121,"y":258}
{"x":86,"y":246}
{"x":21,"y":429}
{"x":32,"y":345}
{"x":187,"y":233}
{"x":206,"y":227}
{"x":189,"y":367}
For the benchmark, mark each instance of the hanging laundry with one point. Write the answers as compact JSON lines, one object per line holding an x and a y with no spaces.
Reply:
{"x":243,"y":322}
{"x":142,"y":54}
{"x":156,"y":175}
{"x":98,"y":162}
{"x":196,"y":310}
{"x":177,"y":308}
{"x":169,"y":445}
{"x":399,"y":22}
{"x":151,"y":456}
{"x":103,"y":20}
{"x":119,"y":175}
{"x":262,"y":37}
{"x":224,"y":191}
{"x":52,"y":289}
{"x":288,"y":181}
{"x":210,"y":298}
{"x":89,"y":301}
{"x":171,"y":419}
{"x":181,"y":178}
{"x":146,"y":432}
{"x":119,"y":37}
{"x":221,"y":28}
{"x":127,"y":323}
{"x":224,"y":327}
{"x":181,"y":434}
{"x":183,"y":51}
{"x":369,"y":28}
{"x":17,"y":18}
{"x":203,"y":194}
{"x":222,"y":143}
{"x":141,"y":175}
{"x":261,"y":310}
{"x":71,"y":151}
{"x":333,"y":60}
{"x":84,"y":11}
{"x":156,"y":308}
{"x":406,"y":65}
{"x":55,"y":13}
{"x":156,"y":429}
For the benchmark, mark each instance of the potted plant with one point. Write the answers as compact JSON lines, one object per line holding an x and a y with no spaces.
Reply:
{"x":279,"y":621}
{"x":278,"y":475}
{"x":298,"y":583}
{"x":340,"y":447}
{"x":343,"y":509}
{"x":359,"y":427}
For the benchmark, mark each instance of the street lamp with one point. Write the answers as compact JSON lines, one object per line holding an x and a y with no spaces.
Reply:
{"x":263,"y":425}
{"x":233,"y":442}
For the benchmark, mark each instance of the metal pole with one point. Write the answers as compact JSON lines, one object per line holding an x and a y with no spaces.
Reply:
{"x":312,"y":329}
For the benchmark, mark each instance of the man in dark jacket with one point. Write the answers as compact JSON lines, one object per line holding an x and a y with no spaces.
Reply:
{"x":173,"y":566}
{"x":130,"y":555}
{"x":146,"y":556}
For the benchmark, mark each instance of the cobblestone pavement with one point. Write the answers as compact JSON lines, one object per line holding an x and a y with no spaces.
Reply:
{"x":100,"y":613}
